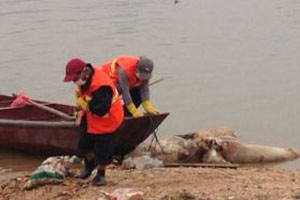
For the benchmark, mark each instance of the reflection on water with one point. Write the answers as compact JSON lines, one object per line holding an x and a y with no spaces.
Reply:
{"x":231,"y":62}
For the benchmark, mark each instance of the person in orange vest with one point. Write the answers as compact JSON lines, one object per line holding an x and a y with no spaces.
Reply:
{"x":131,"y":75}
{"x":103,"y":114}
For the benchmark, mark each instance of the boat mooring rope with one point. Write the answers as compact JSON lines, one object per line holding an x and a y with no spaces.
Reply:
{"x":154,"y":122}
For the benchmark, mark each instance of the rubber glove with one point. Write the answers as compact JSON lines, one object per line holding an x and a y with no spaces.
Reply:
{"x":147,"y":105}
{"x":81,"y":103}
{"x":134,"y":111}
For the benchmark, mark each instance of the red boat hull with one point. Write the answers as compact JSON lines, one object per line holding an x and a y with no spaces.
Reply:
{"x":44,"y":138}
{"x":32,"y":130}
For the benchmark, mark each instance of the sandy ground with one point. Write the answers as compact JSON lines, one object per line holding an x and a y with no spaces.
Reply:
{"x":184,"y":183}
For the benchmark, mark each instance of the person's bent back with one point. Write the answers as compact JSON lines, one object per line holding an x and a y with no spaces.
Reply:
{"x":131,"y":75}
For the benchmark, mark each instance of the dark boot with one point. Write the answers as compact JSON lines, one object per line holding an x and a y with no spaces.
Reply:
{"x":99,"y":179}
{"x":89,"y":167}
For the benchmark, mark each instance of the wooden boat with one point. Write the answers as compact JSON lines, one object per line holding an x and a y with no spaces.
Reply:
{"x":34,"y":130}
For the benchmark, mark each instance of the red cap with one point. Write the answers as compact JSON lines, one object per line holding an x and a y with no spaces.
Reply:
{"x":73,"y":67}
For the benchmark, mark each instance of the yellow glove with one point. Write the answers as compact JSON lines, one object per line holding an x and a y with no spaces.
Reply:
{"x":149,"y":108}
{"x":81,"y":103}
{"x":134,"y":111}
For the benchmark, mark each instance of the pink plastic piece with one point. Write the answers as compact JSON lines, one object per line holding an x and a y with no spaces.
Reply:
{"x":20,"y":101}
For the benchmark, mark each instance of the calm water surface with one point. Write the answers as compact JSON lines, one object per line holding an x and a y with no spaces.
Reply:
{"x":231,"y":62}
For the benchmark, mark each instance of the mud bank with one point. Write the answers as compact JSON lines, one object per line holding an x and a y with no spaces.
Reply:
{"x":170,"y":183}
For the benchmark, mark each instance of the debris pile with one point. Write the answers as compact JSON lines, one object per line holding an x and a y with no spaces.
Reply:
{"x":219,"y":145}
{"x":52,"y":171}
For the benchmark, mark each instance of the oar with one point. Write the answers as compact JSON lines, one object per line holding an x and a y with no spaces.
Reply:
{"x":156,"y":81}
{"x":51,"y":110}
{"x":48,"y":109}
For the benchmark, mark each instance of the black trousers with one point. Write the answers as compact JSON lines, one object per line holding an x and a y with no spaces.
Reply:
{"x":102,"y":145}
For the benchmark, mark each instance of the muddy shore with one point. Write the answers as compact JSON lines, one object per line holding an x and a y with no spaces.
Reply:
{"x":172,"y":183}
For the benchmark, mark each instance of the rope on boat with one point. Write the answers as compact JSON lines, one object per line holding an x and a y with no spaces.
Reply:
{"x":154,"y":122}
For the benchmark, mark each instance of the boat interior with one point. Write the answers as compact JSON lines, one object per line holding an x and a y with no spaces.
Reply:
{"x":30,"y":112}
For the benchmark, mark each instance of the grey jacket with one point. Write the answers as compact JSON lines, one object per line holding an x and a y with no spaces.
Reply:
{"x":123,"y":81}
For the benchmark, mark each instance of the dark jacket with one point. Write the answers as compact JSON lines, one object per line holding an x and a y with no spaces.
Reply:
{"x":101,"y":99}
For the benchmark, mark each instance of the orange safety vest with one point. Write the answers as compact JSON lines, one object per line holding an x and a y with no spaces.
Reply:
{"x":128,"y":64}
{"x":112,"y":120}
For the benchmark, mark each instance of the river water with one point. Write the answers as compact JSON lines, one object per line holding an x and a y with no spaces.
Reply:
{"x":231,"y":62}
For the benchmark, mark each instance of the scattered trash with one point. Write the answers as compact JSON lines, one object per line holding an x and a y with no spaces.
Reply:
{"x":32,"y":184}
{"x":51,"y":171}
{"x":53,"y":167}
{"x":142,"y":162}
{"x":76,"y":160}
{"x":104,"y":196}
{"x":127,"y":194}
